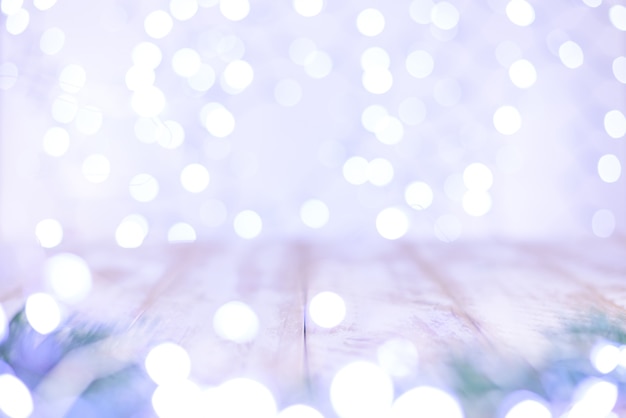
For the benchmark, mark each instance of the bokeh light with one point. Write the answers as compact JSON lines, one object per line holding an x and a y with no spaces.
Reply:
{"x":234,"y":10}
{"x":244,"y":397}
{"x":529,"y":408}
{"x":615,"y":124}
{"x":370,"y":22}
{"x":237,"y":322}
{"x":418,"y":195}
{"x":69,"y":277}
{"x":426,"y":401}
{"x":49,"y":233}
{"x":248,"y":224}
{"x":131,"y":231}
{"x":299,"y":411}
{"x":43,"y":313}
{"x":398,"y":357}
{"x":181,"y":398}
{"x":327,"y":309}
{"x":167,"y":363}
{"x":195,"y":178}
{"x":603,"y":223}
{"x":593,"y":397}
{"x":361,"y":390}
{"x":444,"y":15}
{"x":605,"y":357}
{"x":523,"y":74}
{"x":52,"y":41}
{"x":420,"y":64}
{"x":183,"y":9}
{"x":392,"y":223}
{"x":571,"y":54}
{"x":520,"y":12}
{"x":15,"y":398}
{"x":186,"y":62}
{"x":143,"y":187}
{"x":308,"y":8}
{"x":158,"y":24}
{"x":219,"y":121}
{"x":609,"y":168}
{"x":181,"y":232}
{"x":96,"y":168}
{"x":507,"y":120}
{"x":314,"y":213}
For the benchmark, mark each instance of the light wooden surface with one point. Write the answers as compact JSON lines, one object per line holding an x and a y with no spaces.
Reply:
{"x":441,"y":297}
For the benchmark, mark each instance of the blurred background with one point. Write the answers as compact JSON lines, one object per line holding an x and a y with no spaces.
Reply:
{"x":147,"y":121}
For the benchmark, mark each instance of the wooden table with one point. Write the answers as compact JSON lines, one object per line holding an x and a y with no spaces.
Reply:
{"x":441,"y":297}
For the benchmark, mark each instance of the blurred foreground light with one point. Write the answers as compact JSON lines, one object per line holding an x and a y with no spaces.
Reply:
{"x":235,"y":321}
{"x":15,"y":398}
{"x":177,"y":399}
{"x":168,"y":363}
{"x":420,"y":64}
{"x":398,"y":357}
{"x":362,"y":390}
{"x":392,"y":223}
{"x":327,"y":309}
{"x":49,"y":233}
{"x":299,"y":411}
{"x":131,"y":232}
{"x":181,"y":232}
{"x":248,"y":224}
{"x":529,"y":408}
{"x":3,"y":323}
{"x":69,"y":277}
{"x":9,"y":74}
{"x":372,"y":116}
{"x":594,"y":398}
{"x":418,"y":195}
{"x":43,"y":313}
{"x":426,"y":401}
{"x":314,"y":213}
{"x":605,"y":357}
{"x":243,"y":397}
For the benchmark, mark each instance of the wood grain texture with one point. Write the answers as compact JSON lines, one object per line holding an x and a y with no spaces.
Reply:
{"x":441,"y":297}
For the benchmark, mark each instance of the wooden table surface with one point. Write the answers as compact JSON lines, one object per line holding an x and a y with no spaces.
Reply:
{"x":441,"y":297}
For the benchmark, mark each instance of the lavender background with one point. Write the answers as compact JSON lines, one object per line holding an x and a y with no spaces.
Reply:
{"x":547,"y":184}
